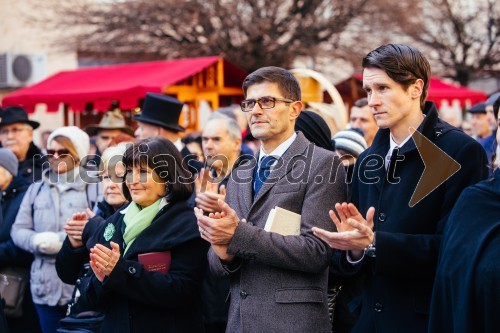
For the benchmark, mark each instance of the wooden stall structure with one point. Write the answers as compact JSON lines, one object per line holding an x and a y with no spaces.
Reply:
{"x":83,"y":94}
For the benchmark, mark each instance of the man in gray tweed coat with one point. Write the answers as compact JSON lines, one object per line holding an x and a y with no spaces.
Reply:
{"x":278,"y":282}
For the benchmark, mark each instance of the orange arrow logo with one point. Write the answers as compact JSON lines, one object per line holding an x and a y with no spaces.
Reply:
{"x":438,"y":167}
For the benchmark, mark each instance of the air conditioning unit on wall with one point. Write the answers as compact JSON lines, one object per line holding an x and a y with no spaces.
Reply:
{"x":19,"y":70}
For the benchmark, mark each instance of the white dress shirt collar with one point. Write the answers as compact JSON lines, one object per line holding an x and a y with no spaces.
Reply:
{"x":392,"y":145}
{"x":280,"y":150}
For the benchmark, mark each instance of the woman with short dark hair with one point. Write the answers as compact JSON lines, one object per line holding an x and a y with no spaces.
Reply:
{"x":148,"y":260}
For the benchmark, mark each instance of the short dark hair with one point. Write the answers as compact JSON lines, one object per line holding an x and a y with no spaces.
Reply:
{"x":162,"y":156}
{"x":287,"y":83}
{"x":402,"y":63}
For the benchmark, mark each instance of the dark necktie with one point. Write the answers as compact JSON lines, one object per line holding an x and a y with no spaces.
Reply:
{"x":262,"y":173}
{"x":392,"y":159}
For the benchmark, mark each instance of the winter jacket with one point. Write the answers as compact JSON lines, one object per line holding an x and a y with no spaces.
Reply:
{"x":136,"y":300}
{"x":466,"y":294}
{"x":12,"y":256}
{"x":46,"y":207}
{"x":398,"y":283}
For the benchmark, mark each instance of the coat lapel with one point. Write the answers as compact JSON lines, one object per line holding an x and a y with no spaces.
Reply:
{"x":246,"y":186}
{"x":284,"y":166}
{"x":379,"y":149}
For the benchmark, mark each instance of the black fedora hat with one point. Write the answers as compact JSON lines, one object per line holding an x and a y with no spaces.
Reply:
{"x":161,"y":110}
{"x":16,"y":114}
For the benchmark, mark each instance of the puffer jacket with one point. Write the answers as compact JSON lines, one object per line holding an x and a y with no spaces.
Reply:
{"x":46,"y":207}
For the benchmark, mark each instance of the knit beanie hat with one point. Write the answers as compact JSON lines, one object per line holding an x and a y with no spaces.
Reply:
{"x":315,"y":129}
{"x":9,"y":161}
{"x":350,"y":141}
{"x":78,"y":138}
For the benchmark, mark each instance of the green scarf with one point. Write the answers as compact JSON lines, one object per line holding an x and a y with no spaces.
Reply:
{"x":137,"y":219}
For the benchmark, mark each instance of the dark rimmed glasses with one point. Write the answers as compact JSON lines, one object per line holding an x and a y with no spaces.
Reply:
{"x":266,"y":102}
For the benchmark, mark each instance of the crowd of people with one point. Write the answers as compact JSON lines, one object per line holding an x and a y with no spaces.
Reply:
{"x":265,"y":221}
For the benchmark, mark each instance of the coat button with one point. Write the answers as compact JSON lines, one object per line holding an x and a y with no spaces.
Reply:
{"x":250,"y":223}
{"x":132,"y":270}
{"x":243,"y":294}
{"x":378,"y":307}
{"x":382,"y":217}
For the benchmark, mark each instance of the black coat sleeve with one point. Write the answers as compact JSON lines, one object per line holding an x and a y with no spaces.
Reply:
{"x":10,"y":254}
{"x":69,"y":262}
{"x":180,"y":287}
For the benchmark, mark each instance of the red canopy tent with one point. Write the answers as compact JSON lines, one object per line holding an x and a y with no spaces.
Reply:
{"x":439,"y":91}
{"x":126,"y":83}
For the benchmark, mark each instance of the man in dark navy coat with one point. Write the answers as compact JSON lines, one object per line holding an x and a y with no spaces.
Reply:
{"x":391,"y":230}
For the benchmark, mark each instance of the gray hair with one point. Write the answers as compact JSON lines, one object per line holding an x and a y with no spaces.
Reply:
{"x":229,"y":111}
{"x":232,"y":126}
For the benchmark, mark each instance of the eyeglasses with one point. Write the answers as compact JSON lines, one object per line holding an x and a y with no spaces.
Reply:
{"x":266,"y":102}
{"x":15,"y":130}
{"x":59,"y":152}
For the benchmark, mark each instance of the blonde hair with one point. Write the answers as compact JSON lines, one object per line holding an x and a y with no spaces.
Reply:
{"x":68,"y":144}
{"x":109,"y":155}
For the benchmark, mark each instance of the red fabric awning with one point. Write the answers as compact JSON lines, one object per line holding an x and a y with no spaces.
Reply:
{"x":126,"y":83}
{"x":439,"y":91}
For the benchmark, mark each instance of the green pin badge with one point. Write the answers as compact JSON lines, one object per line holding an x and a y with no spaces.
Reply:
{"x":109,"y":232}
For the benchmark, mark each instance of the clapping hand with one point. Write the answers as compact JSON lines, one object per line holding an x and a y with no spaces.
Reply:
{"x":354,"y":232}
{"x":208,"y":193}
{"x":103,"y":260}
{"x":218,"y":228}
{"x":74,"y":228}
